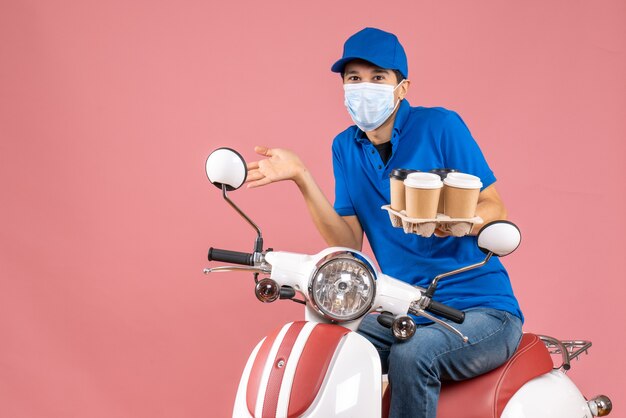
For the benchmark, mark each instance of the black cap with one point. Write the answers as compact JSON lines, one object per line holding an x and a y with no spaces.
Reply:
{"x":443,"y":172}
{"x":401,"y":173}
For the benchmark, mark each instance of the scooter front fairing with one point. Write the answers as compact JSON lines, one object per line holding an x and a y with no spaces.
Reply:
{"x":310,"y":369}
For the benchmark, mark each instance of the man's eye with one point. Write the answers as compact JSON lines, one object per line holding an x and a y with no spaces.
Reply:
{"x":353,"y":78}
{"x":379,"y":77}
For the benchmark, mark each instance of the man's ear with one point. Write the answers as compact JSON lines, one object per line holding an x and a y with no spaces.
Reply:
{"x":404,"y":88}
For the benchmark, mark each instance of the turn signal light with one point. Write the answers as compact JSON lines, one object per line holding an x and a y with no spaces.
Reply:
{"x":267,"y":290}
{"x":403,"y":327}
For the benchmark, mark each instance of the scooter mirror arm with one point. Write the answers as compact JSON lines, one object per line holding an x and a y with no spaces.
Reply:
{"x":433,"y":286}
{"x":415,"y":309}
{"x":258,"y":245}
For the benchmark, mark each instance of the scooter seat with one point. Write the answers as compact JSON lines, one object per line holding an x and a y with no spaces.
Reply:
{"x":486,"y":396}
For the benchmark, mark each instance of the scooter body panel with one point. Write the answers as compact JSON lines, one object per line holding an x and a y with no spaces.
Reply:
{"x":352,"y":385}
{"x":318,"y":378}
{"x":552,"y":395}
{"x":241,"y":409}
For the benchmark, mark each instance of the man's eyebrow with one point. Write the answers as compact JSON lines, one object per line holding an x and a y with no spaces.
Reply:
{"x":375,"y":70}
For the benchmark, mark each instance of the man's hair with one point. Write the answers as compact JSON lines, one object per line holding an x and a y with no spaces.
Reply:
{"x":399,"y":76}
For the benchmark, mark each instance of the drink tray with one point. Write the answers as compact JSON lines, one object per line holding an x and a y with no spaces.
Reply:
{"x":457,"y":227}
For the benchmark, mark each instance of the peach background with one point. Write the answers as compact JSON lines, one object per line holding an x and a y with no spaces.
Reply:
{"x":109,"y":109}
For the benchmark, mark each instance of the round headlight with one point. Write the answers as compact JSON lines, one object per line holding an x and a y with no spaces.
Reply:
{"x":343,"y":287}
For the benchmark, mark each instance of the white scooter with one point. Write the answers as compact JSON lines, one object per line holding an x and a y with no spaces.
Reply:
{"x":320,"y":367}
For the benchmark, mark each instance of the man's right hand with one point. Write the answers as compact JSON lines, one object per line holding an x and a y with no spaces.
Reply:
{"x":281,"y":164}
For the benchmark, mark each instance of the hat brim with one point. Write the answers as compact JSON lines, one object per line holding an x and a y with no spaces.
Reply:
{"x":339,"y":66}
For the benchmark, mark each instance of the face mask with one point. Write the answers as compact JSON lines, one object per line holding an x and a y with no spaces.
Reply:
{"x":369,"y":104}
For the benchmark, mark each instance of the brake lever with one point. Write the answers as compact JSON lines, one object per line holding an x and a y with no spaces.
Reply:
{"x":224,"y":269}
{"x":415,"y":309}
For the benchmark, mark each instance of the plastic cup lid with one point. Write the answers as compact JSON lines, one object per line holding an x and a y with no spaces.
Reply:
{"x":401,"y":173}
{"x":423,"y":181}
{"x":463,"y":181}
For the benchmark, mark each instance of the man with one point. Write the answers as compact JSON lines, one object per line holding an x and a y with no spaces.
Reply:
{"x":389,"y":133}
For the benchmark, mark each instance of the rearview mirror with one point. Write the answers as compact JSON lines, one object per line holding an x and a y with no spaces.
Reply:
{"x":226,"y":167}
{"x":499,"y":237}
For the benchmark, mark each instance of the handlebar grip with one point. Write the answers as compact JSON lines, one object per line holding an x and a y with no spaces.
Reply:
{"x":446,"y":311}
{"x":227,"y":256}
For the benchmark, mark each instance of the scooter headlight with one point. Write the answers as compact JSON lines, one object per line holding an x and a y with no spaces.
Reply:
{"x":343,"y":286}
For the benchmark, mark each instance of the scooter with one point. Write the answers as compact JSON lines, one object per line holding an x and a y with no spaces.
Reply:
{"x":321,"y":367}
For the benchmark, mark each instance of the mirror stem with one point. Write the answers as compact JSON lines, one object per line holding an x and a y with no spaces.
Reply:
{"x":433,"y":286}
{"x":258,"y":244}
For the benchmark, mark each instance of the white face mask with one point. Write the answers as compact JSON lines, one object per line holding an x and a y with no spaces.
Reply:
{"x":370,"y":104}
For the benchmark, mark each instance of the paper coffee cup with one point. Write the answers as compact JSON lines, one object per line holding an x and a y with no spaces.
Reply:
{"x":422,"y":195}
{"x":460,"y":195}
{"x":442,"y":173}
{"x":396,"y":179}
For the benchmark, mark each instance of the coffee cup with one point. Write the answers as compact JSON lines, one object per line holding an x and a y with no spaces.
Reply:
{"x":422,"y":195}
{"x":396,"y":179}
{"x":460,"y":195}
{"x":442,"y":173}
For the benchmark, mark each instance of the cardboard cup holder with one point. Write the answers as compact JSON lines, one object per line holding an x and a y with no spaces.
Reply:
{"x":457,"y":227}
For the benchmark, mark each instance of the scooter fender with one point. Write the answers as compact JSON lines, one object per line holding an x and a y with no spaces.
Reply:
{"x":307,"y":369}
{"x":552,"y":395}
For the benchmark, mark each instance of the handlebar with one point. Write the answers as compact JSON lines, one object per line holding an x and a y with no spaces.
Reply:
{"x":446,"y":311}
{"x":227,"y":256}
